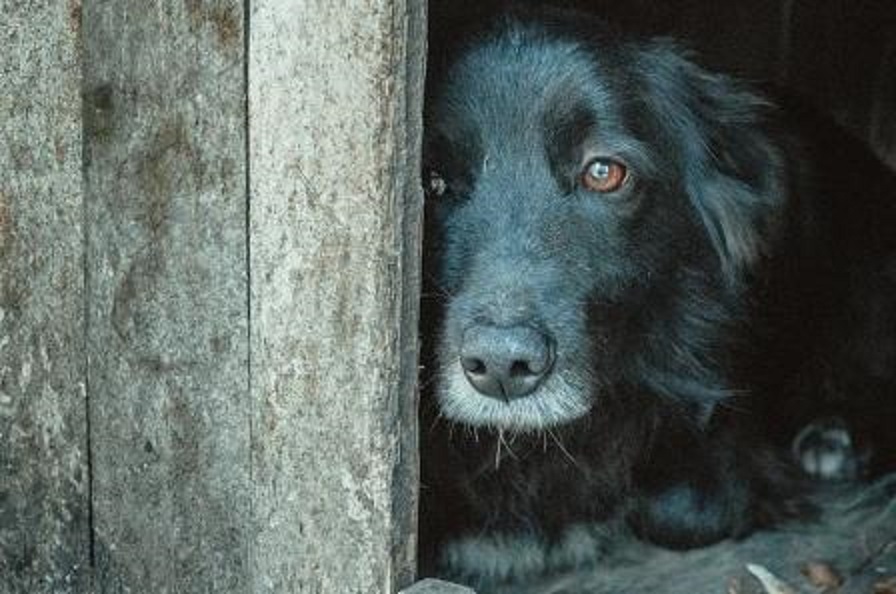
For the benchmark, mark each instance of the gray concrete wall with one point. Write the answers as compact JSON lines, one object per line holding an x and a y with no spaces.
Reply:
{"x":208,"y":319}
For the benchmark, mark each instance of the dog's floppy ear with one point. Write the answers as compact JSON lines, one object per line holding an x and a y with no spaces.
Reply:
{"x":731,"y":166}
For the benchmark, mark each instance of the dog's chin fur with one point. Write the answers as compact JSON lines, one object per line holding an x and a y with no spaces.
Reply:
{"x":561,"y":399}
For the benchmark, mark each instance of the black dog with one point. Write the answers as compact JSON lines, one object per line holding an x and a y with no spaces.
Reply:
{"x":645,"y":286}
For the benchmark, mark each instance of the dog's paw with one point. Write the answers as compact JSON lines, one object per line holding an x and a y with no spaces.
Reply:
{"x":825,"y":450}
{"x":491,"y":559}
{"x":485,"y":560}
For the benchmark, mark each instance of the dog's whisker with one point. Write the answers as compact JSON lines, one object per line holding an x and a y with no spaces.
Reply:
{"x":507,"y":444}
{"x":563,"y":449}
{"x":437,"y":419}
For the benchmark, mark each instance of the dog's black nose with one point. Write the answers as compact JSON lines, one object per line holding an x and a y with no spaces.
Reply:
{"x":506,"y":362}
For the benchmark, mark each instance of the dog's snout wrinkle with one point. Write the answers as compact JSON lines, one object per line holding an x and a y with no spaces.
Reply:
{"x":506,"y":362}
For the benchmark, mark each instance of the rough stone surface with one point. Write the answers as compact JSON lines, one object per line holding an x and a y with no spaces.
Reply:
{"x":334,"y":230}
{"x":44,"y":510}
{"x":167,"y":294}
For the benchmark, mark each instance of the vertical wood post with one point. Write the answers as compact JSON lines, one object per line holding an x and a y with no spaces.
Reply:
{"x":168,"y":338}
{"x":44,"y":507}
{"x":334,"y":116}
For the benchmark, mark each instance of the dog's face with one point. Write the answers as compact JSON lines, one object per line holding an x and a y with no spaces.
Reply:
{"x":577,"y":190}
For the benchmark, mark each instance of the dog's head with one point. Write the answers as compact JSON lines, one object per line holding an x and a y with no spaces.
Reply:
{"x":594,"y":201}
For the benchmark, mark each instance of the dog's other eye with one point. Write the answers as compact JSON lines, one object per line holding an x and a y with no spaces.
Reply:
{"x":604,"y":175}
{"x":434,"y":184}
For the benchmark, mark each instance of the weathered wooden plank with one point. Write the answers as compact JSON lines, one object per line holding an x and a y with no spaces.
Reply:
{"x":168,"y":337}
{"x":44,"y":504}
{"x":334,"y":112}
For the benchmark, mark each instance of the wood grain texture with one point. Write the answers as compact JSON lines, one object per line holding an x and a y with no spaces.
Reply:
{"x":44,"y":506}
{"x":334,"y":112}
{"x":168,"y":336}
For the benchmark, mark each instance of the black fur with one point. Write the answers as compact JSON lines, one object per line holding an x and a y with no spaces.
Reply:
{"x":740,"y":284}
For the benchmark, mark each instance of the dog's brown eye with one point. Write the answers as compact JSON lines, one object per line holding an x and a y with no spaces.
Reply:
{"x":435,"y":184}
{"x":604,"y":175}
